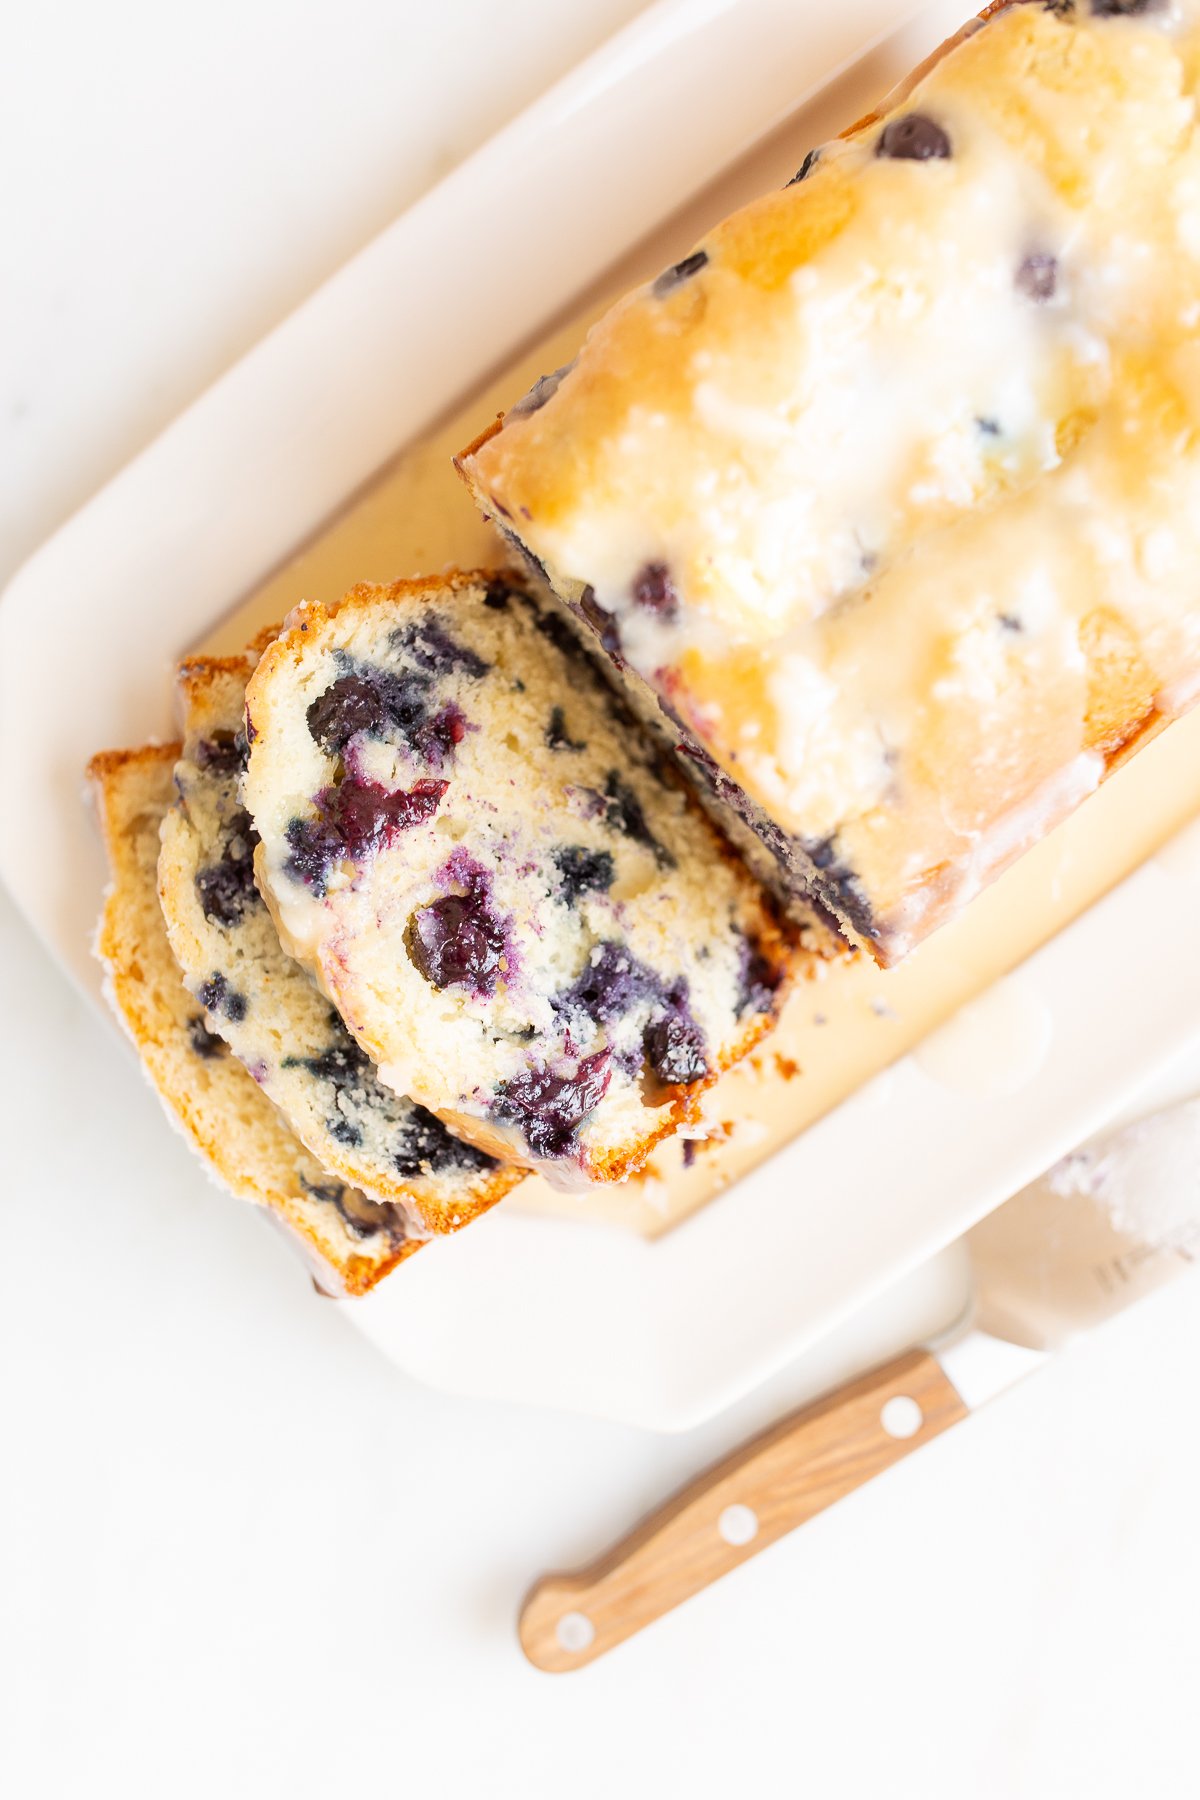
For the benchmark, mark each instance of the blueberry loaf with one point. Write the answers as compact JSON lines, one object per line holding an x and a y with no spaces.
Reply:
{"x":350,"y":1242}
{"x":266,"y":1007}
{"x":524,"y":919}
{"x":887,"y":498}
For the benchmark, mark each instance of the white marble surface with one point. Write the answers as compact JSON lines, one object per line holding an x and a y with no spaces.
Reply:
{"x":238,"y":1553}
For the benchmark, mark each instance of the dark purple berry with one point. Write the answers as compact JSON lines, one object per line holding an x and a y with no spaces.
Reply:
{"x":654,"y":591}
{"x":458,"y":940}
{"x":1116,"y":9}
{"x":496,"y":596}
{"x":805,"y":169}
{"x":679,"y":272}
{"x":674,"y":1049}
{"x":224,"y":753}
{"x":204,"y":1042}
{"x":612,"y":983}
{"x":556,"y":631}
{"x":364,"y":1217}
{"x":432,"y":648}
{"x":1037,"y":277}
{"x":602,"y":623}
{"x":557,"y":736}
{"x":624,"y":814}
{"x":912,"y":138}
{"x":352,"y":821}
{"x":344,"y":1131}
{"x":539,"y":393}
{"x":367,"y":702}
{"x":583,"y":871}
{"x":343,"y":1064}
{"x":440,"y":736}
{"x":549,"y":1109}
{"x":425,"y":1147}
{"x":226,"y":889}
{"x":758,"y":979}
{"x":216,"y":996}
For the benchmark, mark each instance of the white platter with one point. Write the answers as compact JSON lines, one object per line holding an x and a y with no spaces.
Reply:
{"x":585,"y":1317}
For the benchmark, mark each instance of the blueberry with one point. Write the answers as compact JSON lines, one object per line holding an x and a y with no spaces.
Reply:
{"x":674,"y":1048}
{"x":440,"y":735}
{"x":758,"y":979}
{"x":425,"y":1147}
{"x":342,"y":1063}
{"x":496,"y":596}
{"x":583,"y":871}
{"x":988,"y":427}
{"x":344,"y":1131}
{"x":612,"y":983}
{"x":912,"y":138}
{"x":654,"y":591}
{"x":226,"y":889}
{"x":1116,"y":9}
{"x":541,"y":391}
{"x":457,"y":941}
{"x":679,"y":272}
{"x":224,"y":753}
{"x":602,"y":623}
{"x":557,"y":632}
{"x":352,"y":821}
{"x":805,"y":169}
{"x":216,"y":996}
{"x":624,"y":813}
{"x":204,"y":1042}
{"x":557,"y":737}
{"x":549,"y":1109}
{"x":689,"y":1152}
{"x":364,"y":1217}
{"x":367,"y":702}
{"x":842,"y":887}
{"x":1037,"y":277}
{"x":432,"y":648}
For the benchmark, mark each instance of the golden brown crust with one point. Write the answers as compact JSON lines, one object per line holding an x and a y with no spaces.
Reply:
{"x":231,"y":1125}
{"x":200,"y":680}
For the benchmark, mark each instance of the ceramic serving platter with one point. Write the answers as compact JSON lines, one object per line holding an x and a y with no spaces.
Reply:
{"x":929,"y":1095}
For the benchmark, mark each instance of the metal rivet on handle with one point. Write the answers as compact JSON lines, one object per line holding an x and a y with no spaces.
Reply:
{"x":574,"y":1632}
{"x":738,"y":1524}
{"x":901,"y":1416}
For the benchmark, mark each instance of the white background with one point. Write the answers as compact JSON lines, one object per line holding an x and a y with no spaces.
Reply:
{"x":239,"y":1555}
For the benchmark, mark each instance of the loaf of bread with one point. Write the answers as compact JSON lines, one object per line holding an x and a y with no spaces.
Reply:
{"x":523,"y":917}
{"x":267,"y":1008}
{"x":886,"y":499}
{"x":350,"y":1242}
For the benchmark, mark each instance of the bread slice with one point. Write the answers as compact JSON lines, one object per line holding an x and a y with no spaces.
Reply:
{"x":886,"y":499}
{"x":267,"y":1008}
{"x":350,"y":1242}
{"x":525,"y":919}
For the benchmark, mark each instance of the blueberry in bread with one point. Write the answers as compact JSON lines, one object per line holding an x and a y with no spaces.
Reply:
{"x":525,"y":920}
{"x":280,"y":1026}
{"x":350,"y":1242}
{"x":885,"y":501}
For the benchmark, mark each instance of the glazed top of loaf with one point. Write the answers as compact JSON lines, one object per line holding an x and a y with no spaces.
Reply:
{"x":893,"y":487}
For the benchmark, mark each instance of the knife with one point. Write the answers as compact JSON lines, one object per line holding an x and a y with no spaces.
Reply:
{"x":1106,"y":1225}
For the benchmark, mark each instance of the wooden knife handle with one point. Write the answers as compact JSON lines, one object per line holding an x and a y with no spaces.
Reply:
{"x":766,"y":1488}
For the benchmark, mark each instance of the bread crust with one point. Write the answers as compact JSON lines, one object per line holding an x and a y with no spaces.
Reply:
{"x":231,"y":1126}
{"x":438,"y":1206}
